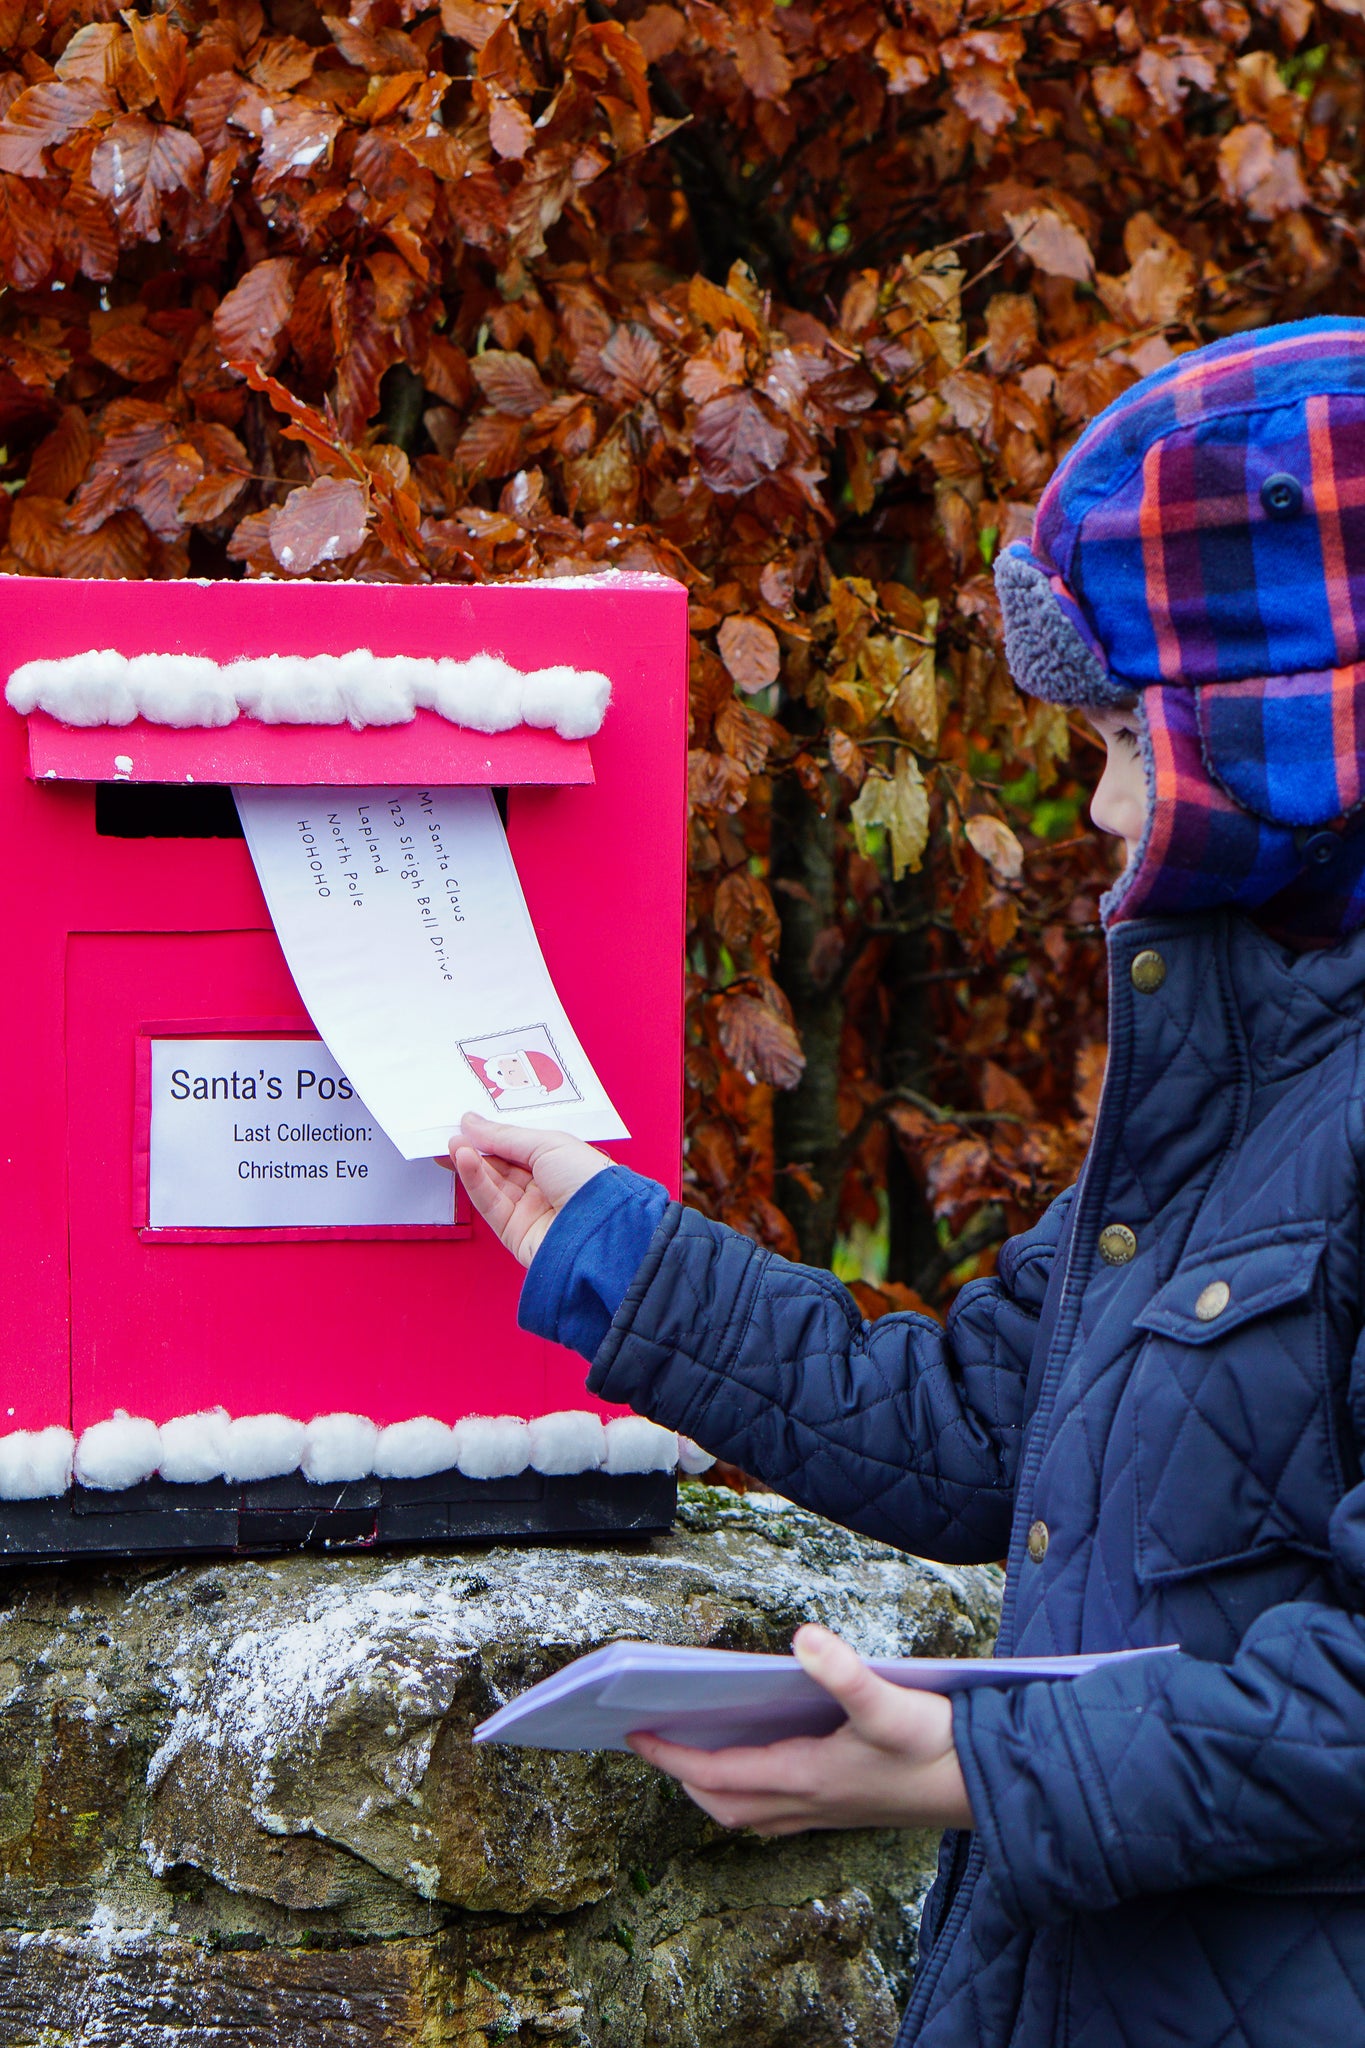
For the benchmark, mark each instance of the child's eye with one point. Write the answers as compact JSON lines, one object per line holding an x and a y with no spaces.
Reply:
{"x":1126,"y":737}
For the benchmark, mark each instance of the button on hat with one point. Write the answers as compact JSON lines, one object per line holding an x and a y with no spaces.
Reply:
{"x":1282,"y":495}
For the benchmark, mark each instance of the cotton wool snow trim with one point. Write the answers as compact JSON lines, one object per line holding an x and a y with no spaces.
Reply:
{"x":332,"y":1449}
{"x":104,"y":687}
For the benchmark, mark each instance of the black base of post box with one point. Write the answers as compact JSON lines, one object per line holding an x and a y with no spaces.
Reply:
{"x":293,"y":1514}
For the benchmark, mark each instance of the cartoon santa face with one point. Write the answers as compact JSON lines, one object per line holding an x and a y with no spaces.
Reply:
{"x":520,"y":1076}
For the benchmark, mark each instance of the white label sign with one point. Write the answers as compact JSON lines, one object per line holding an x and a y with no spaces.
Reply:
{"x":268,"y":1134}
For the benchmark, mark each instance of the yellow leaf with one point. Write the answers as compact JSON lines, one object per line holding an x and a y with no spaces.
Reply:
{"x":899,"y":804}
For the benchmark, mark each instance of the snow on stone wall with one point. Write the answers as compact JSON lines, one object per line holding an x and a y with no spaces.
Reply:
{"x":103,"y":687}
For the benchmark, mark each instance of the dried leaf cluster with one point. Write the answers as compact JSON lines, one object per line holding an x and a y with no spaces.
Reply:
{"x":799,"y":303}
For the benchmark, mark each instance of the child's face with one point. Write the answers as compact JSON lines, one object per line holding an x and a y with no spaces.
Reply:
{"x":1119,"y":804}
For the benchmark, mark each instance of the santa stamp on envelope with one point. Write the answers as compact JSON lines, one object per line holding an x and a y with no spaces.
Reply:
{"x":521,"y":1069}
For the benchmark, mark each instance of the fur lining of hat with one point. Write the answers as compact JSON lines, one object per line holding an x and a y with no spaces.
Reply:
{"x":1047,"y":656}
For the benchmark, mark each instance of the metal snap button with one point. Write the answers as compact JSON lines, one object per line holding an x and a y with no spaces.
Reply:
{"x":1148,"y":971}
{"x":1317,"y":848}
{"x":1212,"y":1301}
{"x":1037,"y":1542}
{"x":1117,"y":1244}
{"x":1282,"y":495}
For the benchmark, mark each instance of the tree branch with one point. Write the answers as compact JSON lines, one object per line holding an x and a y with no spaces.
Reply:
{"x":986,"y":1228}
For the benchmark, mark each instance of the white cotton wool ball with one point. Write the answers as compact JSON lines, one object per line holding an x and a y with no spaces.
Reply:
{"x":692,"y":1459}
{"x":571,"y":700}
{"x":492,"y":1446}
{"x":35,"y":1464}
{"x":121,"y":1452}
{"x":193,"y":1447}
{"x":262,"y":1447}
{"x":181,"y":690}
{"x":24,"y":690}
{"x":289,"y":689}
{"x":634,"y":1444}
{"x":570,"y":1441}
{"x":339,"y":1448}
{"x":377,"y":689}
{"x":415,"y":1449}
{"x":79,"y":689}
{"x":483,"y":693}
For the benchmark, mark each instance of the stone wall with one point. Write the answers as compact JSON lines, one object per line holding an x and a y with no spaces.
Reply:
{"x":239,"y":1807}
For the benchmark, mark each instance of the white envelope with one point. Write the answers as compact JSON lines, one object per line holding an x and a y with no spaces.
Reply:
{"x":406,"y":931}
{"x":713,"y":1699}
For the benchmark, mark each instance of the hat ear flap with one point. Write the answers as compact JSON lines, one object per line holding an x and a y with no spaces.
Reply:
{"x":1046,"y":641}
{"x":1285,"y":747}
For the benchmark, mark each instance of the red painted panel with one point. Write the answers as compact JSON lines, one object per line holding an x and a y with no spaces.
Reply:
{"x":430,"y":749}
{"x":104,"y":935}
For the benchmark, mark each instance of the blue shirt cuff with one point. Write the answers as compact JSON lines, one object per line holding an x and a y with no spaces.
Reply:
{"x":588,"y":1258}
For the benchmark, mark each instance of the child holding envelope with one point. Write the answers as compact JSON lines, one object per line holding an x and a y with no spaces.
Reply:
{"x":1158,"y":1406}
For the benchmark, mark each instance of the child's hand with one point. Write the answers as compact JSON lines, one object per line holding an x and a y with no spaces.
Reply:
{"x":519,"y":1180}
{"x":891,"y":1765}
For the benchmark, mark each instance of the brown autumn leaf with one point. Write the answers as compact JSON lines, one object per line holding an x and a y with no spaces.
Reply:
{"x":1254,"y":169}
{"x":848,"y":758}
{"x":136,"y":351}
{"x":737,"y":444}
{"x":510,"y":382}
{"x":1011,"y":332}
{"x":745,"y":913}
{"x":322,"y":522}
{"x":659,"y":31}
{"x":61,"y":458}
{"x":981,"y":72}
{"x":759,"y":1041}
{"x":162,"y":50}
{"x":1052,"y":242}
{"x":297,"y":143}
{"x":45,"y":116}
{"x":94,"y":55}
{"x":908,"y":60}
{"x":634,"y":361}
{"x":762,"y":62}
{"x":510,"y":130}
{"x":996,"y":843}
{"x":249,"y":324}
{"x":395,"y":287}
{"x":281,"y":62}
{"x":373,"y":51}
{"x":749,"y":649}
{"x":716,"y":782}
{"x":138,"y":165}
{"x":472,"y":21}
{"x":745,"y":734}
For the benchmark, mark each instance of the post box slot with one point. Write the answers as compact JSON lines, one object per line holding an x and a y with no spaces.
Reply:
{"x":165,"y":810}
{"x":169,"y":810}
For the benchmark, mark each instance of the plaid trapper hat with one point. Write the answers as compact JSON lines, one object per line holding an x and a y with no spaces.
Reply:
{"x":1202,"y":548}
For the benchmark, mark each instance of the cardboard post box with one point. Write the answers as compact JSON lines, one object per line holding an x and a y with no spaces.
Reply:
{"x":136,"y":930}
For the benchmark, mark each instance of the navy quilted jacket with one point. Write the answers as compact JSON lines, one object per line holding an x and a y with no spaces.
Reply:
{"x":1169,"y":1852}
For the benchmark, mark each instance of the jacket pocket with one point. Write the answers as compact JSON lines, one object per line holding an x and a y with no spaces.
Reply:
{"x":1234,"y":1441}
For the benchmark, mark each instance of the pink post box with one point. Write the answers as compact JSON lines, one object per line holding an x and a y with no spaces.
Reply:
{"x":292,"y":1375}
